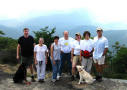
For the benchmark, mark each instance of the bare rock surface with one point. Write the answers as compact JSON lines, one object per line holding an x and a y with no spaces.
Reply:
{"x":6,"y":83}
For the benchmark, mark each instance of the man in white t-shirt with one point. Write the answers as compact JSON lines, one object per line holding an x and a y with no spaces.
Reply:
{"x":66,"y":46}
{"x":100,"y":50}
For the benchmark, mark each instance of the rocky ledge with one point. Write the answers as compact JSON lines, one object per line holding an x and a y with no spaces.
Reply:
{"x":6,"y":83}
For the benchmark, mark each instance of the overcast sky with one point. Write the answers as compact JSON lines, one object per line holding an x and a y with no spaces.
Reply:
{"x":107,"y":12}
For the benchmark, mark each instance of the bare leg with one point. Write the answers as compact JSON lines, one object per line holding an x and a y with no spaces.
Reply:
{"x":31,"y":69}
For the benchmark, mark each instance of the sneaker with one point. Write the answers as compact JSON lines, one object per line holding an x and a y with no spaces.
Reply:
{"x":100,"y":79}
{"x":53,"y":80}
{"x":97,"y":77}
{"x":32,"y":79}
{"x":72,"y":78}
{"x":58,"y":77}
{"x":41,"y":80}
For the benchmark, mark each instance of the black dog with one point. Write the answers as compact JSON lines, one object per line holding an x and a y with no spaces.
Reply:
{"x":20,"y":75}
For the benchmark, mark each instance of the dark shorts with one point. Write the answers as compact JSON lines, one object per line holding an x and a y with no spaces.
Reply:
{"x":27,"y":60}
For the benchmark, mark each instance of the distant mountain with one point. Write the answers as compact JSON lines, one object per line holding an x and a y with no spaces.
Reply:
{"x":116,"y":35}
{"x":112,"y":35}
{"x":75,"y":21}
{"x":9,"y":31}
{"x":61,"y":20}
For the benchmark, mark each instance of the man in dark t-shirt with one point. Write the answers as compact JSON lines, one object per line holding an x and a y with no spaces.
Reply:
{"x":26,"y":45}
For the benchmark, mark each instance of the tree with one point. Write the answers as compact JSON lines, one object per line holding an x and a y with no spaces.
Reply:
{"x":48,"y":39}
{"x":46,"y":34}
{"x":2,"y":33}
{"x":120,"y":60}
{"x":8,"y":50}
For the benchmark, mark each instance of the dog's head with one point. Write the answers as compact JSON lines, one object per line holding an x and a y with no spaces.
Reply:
{"x":80,"y":68}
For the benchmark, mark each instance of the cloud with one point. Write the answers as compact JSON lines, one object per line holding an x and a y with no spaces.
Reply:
{"x":22,"y":8}
{"x":103,"y":11}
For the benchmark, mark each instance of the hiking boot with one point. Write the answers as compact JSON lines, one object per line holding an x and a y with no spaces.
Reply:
{"x":58,"y":77}
{"x":32,"y":79}
{"x":41,"y":80}
{"x":99,"y":78}
{"x":72,"y":78}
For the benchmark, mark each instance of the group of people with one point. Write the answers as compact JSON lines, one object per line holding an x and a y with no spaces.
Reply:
{"x":79,"y":51}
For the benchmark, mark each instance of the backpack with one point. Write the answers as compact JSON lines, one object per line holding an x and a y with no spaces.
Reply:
{"x":86,"y":54}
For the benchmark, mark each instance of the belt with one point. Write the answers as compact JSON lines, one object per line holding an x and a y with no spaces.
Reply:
{"x":75,"y":55}
{"x":65,"y":53}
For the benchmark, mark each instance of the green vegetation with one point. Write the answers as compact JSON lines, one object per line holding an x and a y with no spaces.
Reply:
{"x":116,"y":62}
{"x":1,"y":32}
{"x":8,"y":50}
{"x":46,"y":34}
{"x":115,"y":67}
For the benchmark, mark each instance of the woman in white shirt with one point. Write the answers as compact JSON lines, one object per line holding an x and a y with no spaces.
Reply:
{"x":86,"y":46}
{"x":40,"y":59}
{"x":75,"y":55}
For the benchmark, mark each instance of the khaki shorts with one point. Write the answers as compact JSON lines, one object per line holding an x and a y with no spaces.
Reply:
{"x":76,"y":61}
{"x":27,"y":60}
{"x":100,"y":61}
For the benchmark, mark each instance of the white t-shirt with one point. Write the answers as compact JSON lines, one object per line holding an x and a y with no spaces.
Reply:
{"x":86,"y":45}
{"x":76,"y":46}
{"x":99,"y":45}
{"x":66,"y":45}
{"x":40,"y":52}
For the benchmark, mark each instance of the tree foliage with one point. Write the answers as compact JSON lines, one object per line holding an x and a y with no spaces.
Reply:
{"x":120,"y":58}
{"x":1,"y":32}
{"x":7,"y":43}
{"x":46,"y":34}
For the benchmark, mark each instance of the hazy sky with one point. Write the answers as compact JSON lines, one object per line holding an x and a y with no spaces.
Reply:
{"x":106,"y":12}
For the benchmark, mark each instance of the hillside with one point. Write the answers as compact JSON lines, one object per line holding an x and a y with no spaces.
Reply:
{"x":112,"y":35}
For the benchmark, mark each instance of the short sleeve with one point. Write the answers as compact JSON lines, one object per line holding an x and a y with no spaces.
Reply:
{"x":32,"y":39}
{"x":46,"y":49}
{"x":92,"y":43}
{"x":73,"y":44}
{"x":19,"y":41}
{"x":60,"y":40}
{"x":35,"y":48}
{"x":106,"y":43}
{"x":81,"y":44}
{"x":94,"y":40}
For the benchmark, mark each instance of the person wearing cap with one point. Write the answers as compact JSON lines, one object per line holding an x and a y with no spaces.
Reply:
{"x":66,"y":47}
{"x":75,"y":54}
{"x":86,"y":51}
{"x":100,"y":50}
